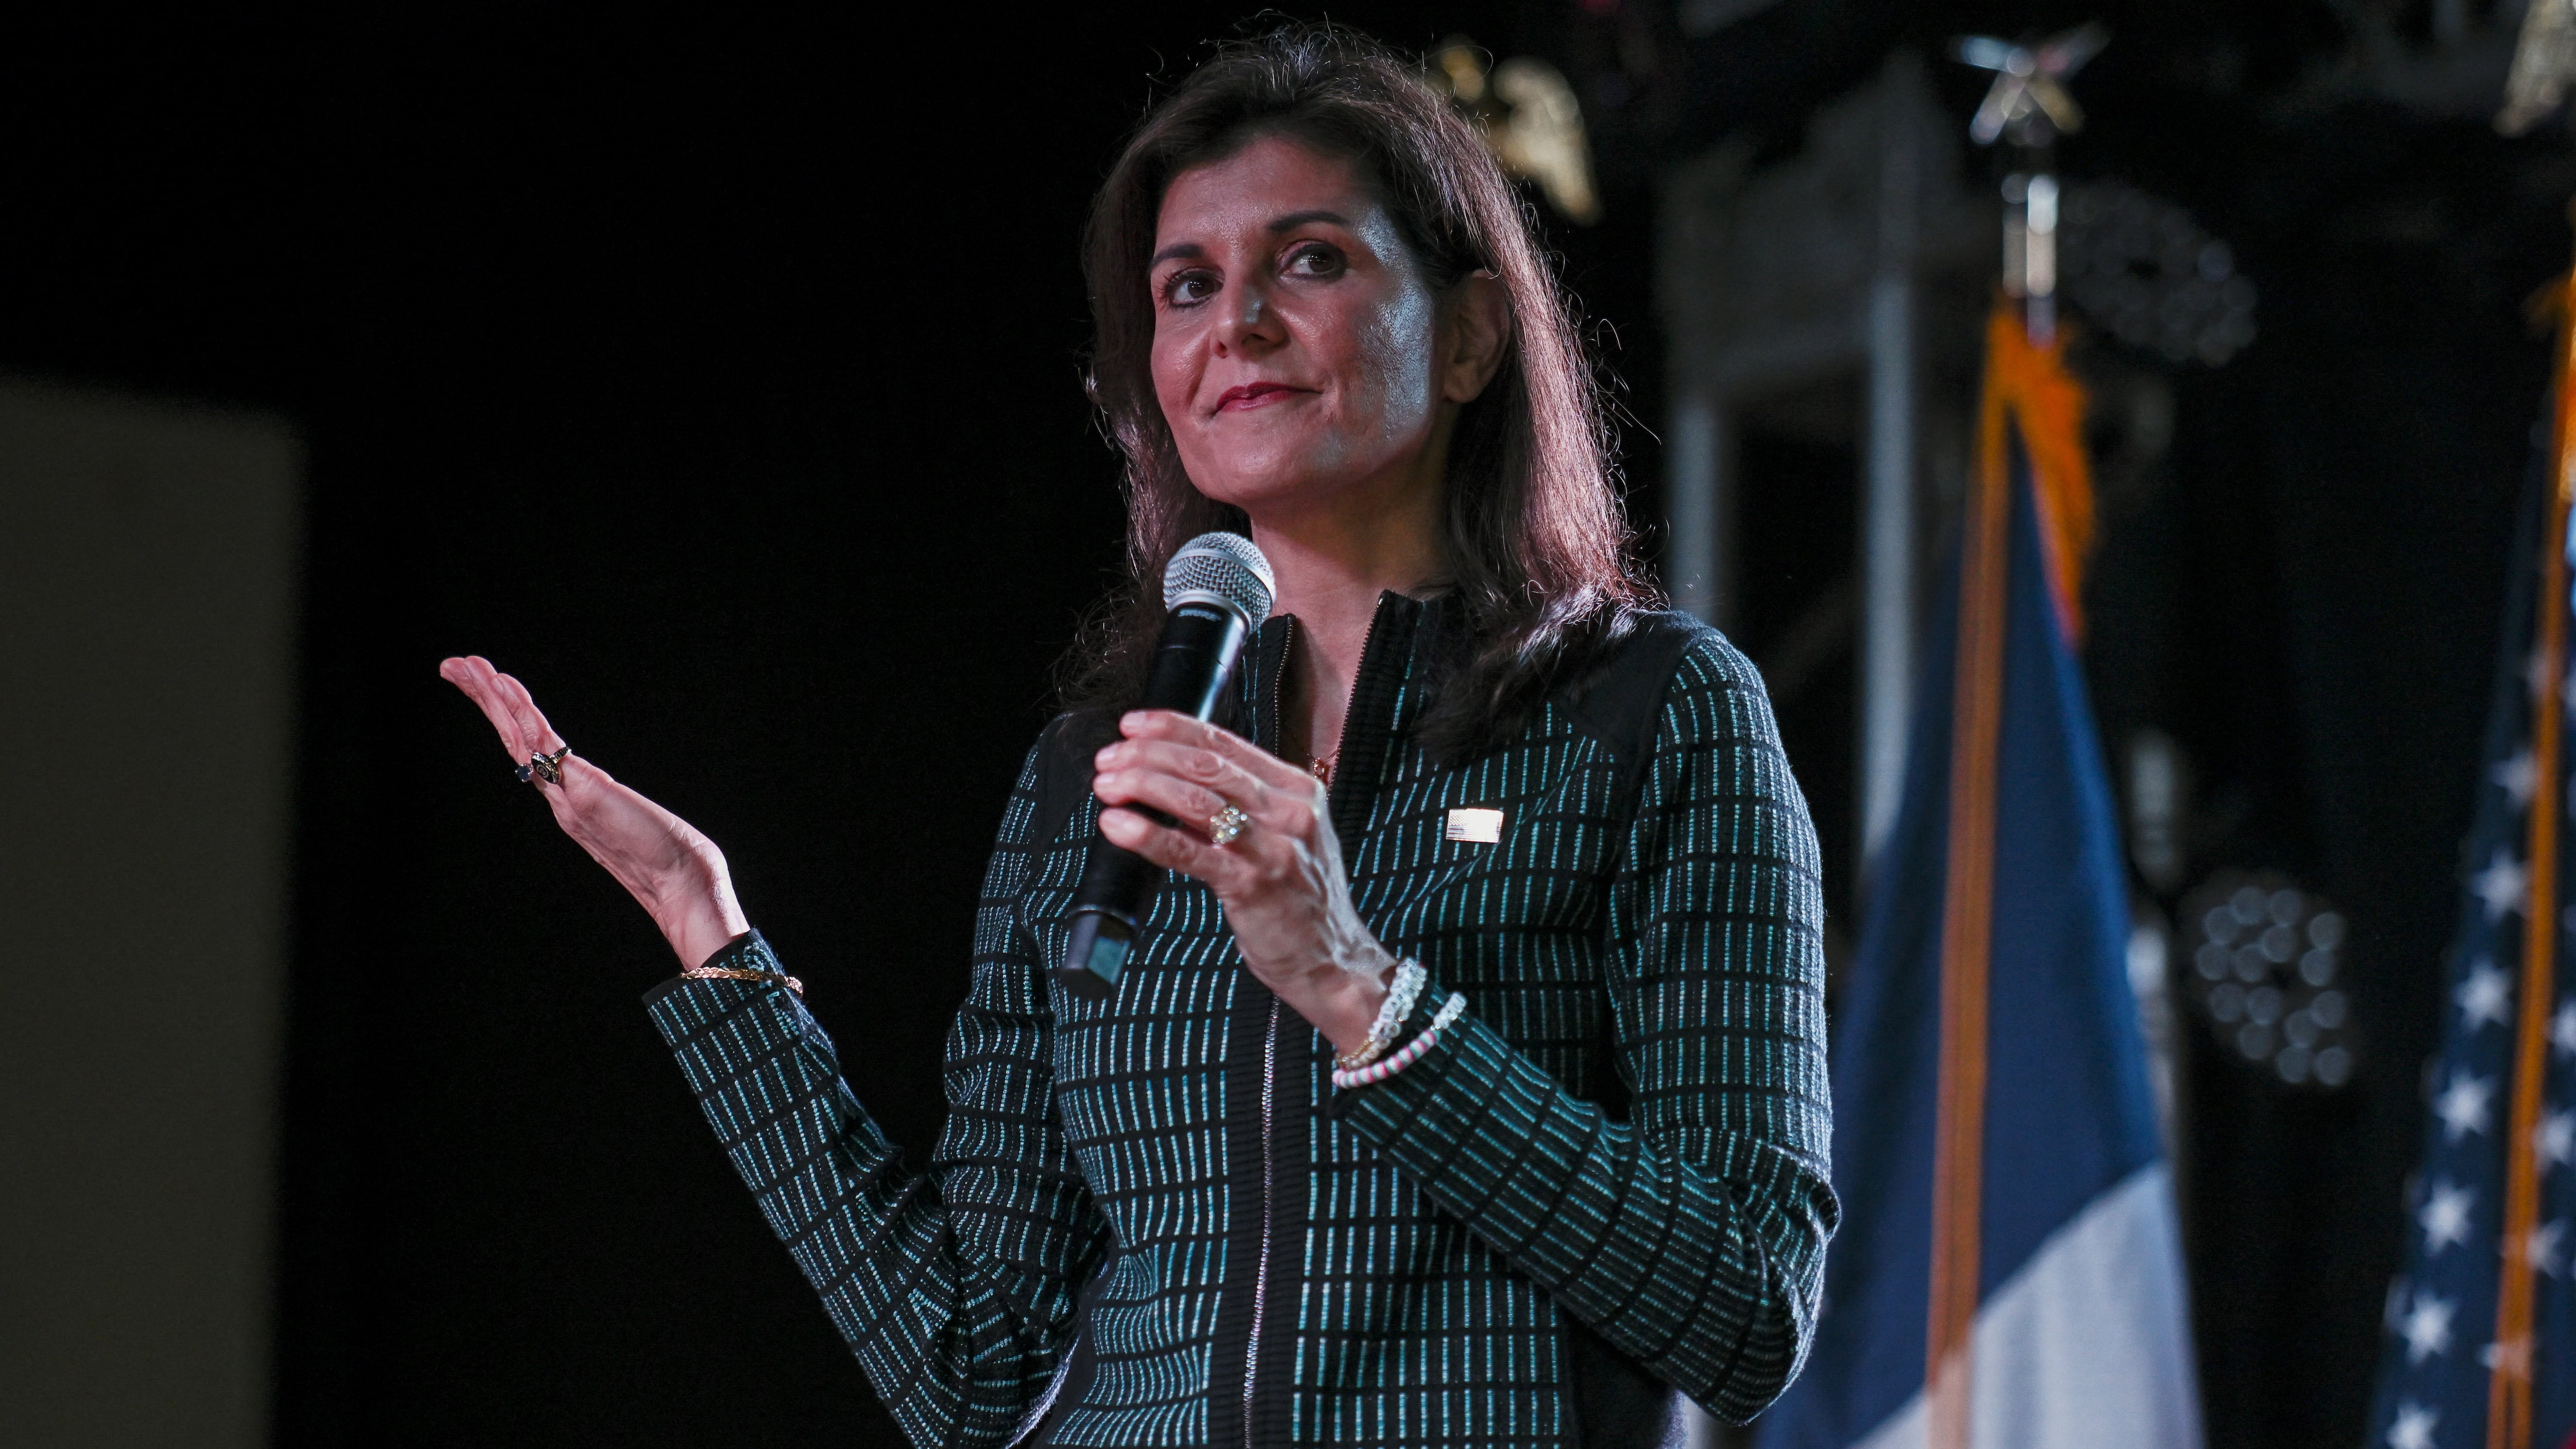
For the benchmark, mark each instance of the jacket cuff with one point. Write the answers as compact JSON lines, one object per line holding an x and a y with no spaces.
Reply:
{"x":1391,"y":1104}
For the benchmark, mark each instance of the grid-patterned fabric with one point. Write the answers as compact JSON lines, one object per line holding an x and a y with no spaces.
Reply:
{"x":1152,"y":1221}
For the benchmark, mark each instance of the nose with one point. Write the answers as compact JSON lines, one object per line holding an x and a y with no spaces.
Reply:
{"x":1249,"y":321}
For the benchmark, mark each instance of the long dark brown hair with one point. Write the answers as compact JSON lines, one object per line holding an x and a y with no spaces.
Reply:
{"x":1537,"y":549}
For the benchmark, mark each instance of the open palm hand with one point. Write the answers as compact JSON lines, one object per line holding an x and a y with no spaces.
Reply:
{"x":677,"y":873}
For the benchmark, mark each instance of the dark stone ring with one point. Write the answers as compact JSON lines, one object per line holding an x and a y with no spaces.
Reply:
{"x":548,"y":768}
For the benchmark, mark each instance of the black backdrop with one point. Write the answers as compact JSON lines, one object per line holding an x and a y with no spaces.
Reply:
{"x":720,"y":378}
{"x":747,"y":428}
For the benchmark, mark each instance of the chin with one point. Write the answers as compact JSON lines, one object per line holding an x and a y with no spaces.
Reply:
{"x":1266,"y":496}
{"x":1265,"y":482}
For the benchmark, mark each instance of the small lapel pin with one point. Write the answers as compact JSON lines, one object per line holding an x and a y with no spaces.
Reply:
{"x":1476,"y":827}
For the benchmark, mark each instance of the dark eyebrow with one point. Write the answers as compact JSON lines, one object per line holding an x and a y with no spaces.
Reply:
{"x":1296,"y":219}
{"x":1290,"y":222}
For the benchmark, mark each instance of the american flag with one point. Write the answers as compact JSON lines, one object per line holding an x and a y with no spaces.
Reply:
{"x":2454,"y":1344}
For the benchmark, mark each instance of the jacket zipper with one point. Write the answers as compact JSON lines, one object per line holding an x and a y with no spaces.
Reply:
{"x":1261,"y":1262}
{"x":1269,"y":1092}
{"x":1270,"y":1041}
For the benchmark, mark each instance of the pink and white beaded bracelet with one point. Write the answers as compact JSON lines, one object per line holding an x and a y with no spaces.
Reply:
{"x":1345,"y":1079}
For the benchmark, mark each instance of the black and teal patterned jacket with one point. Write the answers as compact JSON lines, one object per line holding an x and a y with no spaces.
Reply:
{"x":1152,"y":1221}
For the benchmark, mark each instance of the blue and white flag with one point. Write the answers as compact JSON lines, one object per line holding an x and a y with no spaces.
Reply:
{"x":2067,"y":1288}
{"x":2449,"y":1330}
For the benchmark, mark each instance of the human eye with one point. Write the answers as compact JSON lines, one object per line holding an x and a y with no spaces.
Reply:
{"x":1188,"y":287}
{"x":1315,"y":259}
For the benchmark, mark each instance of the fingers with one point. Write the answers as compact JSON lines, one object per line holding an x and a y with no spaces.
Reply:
{"x":540,"y":736}
{"x":1190,"y":771}
{"x":1284,"y":798}
{"x":476,"y":677}
{"x":1179,"y":729}
{"x":508,"y":705}
{"x":1186,"y":781}
{"x":1181,"y":800}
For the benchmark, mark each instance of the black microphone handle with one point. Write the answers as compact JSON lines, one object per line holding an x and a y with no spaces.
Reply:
{"x":1192,"y":662}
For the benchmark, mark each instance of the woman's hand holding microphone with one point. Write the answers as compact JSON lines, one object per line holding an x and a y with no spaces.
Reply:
{"x":677,"y":874}
{"x":1280,"y":878}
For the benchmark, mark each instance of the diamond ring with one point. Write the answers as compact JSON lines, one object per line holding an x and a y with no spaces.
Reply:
{"x":1225,"y":825}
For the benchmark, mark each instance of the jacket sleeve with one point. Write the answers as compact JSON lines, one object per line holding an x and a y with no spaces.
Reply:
{"x":956,"y":1286}
{"x":1692,"y":1235}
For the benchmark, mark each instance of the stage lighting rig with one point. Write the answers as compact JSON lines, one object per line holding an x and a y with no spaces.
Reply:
{"x":2267,"y":974}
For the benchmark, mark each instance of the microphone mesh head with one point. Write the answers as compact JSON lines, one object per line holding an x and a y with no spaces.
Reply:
{"x":1223,"y":569}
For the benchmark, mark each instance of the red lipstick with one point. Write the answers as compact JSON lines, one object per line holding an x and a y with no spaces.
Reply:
{"x":1252,"y":395}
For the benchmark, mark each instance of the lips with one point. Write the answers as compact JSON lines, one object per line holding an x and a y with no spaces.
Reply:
{"x":1250,"y":395}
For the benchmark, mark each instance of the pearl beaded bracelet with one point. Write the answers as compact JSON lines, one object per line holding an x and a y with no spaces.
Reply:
{"x":1392,"y":1013}
{"x":1344,"y":1079}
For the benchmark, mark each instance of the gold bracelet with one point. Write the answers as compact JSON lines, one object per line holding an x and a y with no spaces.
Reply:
{"x":736,"y":973}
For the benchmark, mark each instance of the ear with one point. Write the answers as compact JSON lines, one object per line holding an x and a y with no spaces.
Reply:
{"x":1478,"y":330}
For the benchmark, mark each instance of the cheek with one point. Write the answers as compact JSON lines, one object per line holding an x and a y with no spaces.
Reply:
{"x":1175,"y":369}
{"x":1392,"y":345}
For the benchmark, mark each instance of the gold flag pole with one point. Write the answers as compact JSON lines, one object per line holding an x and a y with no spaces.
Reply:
{"x":2544,"y":63}
{"x":2509,"y":1377}
{"x":1958,"y":1149}
{"x":2025,"y":383}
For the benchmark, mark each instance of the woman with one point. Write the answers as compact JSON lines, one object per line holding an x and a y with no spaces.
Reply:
{"x":1523,"y":858}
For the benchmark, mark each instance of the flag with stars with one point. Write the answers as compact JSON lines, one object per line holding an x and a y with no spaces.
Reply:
{"x":2459,"y":1338}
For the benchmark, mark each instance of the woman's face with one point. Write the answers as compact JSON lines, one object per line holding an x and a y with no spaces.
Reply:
{"x":1296,"y":344}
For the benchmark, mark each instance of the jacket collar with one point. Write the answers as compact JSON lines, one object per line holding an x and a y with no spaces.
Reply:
{"x":1387,"y":696}
{"x":1397,"y":657}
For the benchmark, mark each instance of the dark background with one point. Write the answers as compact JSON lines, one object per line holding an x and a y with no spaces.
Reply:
{"x":720,"y":378}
